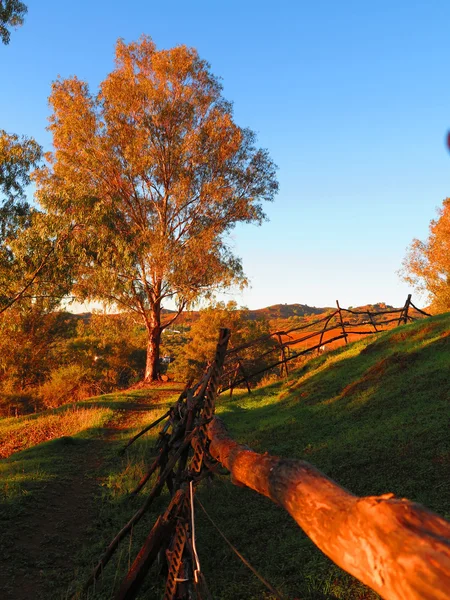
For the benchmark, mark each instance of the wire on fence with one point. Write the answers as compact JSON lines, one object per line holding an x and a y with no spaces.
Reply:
{"x":270,"y":587}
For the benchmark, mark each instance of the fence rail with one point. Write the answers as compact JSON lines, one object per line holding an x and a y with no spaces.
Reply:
{"x":312,"y":337}
{"x":397,"y":547}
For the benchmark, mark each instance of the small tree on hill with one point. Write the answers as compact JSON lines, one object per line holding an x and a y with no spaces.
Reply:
{"x":199,"y":351}
{"x":155,"y":173}
{"x":427,"y":264}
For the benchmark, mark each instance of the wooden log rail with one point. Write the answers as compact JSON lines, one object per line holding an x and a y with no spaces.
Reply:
{"x":331,"y":322}
{"x":395,"y":546}
{"x":278,"y":363}
{"x":328,"y":317}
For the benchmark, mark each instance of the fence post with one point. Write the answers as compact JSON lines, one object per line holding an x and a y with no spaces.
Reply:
{"x":324,"y":329}
{"x":342,"y":322}
{"x":233,"y":379}
{"x":372,"y":321}
{"x":404,"y":312}
{"x":209,"y":399}
{"x":283,"y":356}
{"x":244,"y":373}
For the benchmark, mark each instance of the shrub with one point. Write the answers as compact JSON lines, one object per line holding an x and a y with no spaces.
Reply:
{"x":66,"y":384}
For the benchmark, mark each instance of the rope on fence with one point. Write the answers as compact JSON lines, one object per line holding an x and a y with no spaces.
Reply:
{"x":270,"y":587}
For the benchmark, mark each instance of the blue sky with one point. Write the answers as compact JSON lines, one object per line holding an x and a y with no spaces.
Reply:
{"x":351,"y":98}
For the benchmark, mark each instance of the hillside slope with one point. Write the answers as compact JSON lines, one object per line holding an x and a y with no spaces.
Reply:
{"x":374,"y":416}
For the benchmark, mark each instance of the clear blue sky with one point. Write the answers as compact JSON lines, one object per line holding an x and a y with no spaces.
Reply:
{"x":351,"y":98}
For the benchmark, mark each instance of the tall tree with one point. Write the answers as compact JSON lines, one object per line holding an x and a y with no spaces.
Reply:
{"x":157,"y":173}
{"x":12,"y":13}
{"x":427,"y":264}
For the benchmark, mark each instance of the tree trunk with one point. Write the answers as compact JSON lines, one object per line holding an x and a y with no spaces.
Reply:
{"x":152,"y":366}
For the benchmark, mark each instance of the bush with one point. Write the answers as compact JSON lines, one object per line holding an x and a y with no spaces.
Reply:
{"x":14,"y":404}
{"x":66,"y":384}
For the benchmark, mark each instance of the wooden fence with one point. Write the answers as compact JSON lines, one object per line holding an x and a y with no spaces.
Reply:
{"x":280,"y":347}
{"x":398,"y":548}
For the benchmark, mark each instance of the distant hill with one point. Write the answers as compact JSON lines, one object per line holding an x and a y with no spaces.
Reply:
{"x":284,"y":311}
{"x":274,"y":312}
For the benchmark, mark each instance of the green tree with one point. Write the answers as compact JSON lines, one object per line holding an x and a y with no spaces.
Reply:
{"x":34,"y":247}
{"x":18,"y":156}
{"x":27,"y":335}
{"x":109,"y":348}
{"x":156,"y":173}
{"x":12,"y":13}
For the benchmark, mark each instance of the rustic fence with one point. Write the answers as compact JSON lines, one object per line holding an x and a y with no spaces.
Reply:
{"x":277,"y":349}
{"x":398,"y":548}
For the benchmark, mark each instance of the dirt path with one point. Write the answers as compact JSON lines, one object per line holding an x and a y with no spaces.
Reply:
{"x":36,"y":561}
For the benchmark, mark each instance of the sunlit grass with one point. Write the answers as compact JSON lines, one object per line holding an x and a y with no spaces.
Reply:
{"x":373,"y":416}
{"x":25,"y":432}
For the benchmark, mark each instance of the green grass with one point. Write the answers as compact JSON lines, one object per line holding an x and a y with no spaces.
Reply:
{"x":68,"y":429}
{"x":374,"y":416}
{"x":29,"y":480}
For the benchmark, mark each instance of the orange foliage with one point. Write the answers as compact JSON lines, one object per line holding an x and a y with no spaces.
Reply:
{"x":427,"y":264}
{"x":155,"y":173}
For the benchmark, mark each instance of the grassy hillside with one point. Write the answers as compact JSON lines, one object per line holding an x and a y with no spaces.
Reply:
{"x":374,"y":416}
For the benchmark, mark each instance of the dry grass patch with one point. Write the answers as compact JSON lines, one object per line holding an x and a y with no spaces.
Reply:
{"x":25,"y":432}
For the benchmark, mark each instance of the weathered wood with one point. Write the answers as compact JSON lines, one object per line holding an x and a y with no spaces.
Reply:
{"x":404,"y":311}
{"x":244,"y":374}
{"x":342,"y":321}
{"x":283,"y":357}
{"x":149,"y":473}
{"x":420,"y":310}
{"x":272,"y":366}
{"x":326,"y":319}
{"x":379,"y":312}
{"x":268,"y":336}
{"x":325,"y":328}
{"x":160,"y":533}
{"x":156,"y":490}
{"x":372,"y":322}
{"x":395,"y":546}
{"x":207,"y":405}
{"x":351,"y":332}
{"x":313,"y":334}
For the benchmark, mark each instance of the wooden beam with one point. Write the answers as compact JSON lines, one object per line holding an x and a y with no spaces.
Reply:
{"x":272,"y":366}
{"x":342,"y":322}
{"x":160,"y":534}
{"x":395,"y":546}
